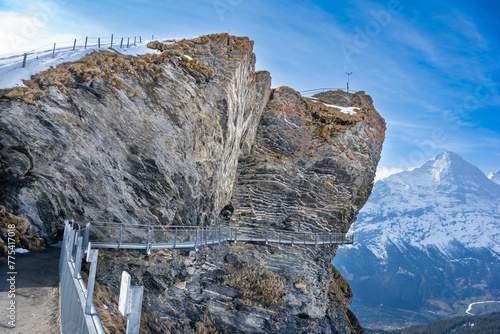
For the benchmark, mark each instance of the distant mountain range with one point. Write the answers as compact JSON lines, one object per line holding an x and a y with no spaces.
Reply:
{"x":426,"y":244}
{"x":483,"y":324}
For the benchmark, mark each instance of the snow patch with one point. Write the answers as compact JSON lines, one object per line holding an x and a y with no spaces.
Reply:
{"x":21,"y":250}
{"x":345,"y":110}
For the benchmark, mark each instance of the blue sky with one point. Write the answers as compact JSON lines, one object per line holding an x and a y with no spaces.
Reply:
{"x":432,"y":67}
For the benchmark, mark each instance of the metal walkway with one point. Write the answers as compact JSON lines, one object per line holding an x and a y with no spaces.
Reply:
{"x":78,"y":313}
{"x":128,"y":236}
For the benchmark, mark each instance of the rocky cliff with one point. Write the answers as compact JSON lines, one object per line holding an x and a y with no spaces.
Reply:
{"x":192,"y":135}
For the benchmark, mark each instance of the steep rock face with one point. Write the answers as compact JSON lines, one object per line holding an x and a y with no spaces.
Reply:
{"x":152,"y":139}
{"x":313,"y":165}
{"x":174,"y":138}
{"x":296,"y":177}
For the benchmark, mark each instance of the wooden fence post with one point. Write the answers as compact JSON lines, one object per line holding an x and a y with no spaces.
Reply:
{"x":128,"y":42}
{"x":152,"y":37}
{"x":74,"y":45}
{"x":111,"y":40}
{"x":99,"y":42}
{"x":54,"y":50}
{"x":121,"y":44}
{"x":24,"y":60}
{"x":135,"y":38}
{"x":86,"y":39}
{"x":140,"y":41}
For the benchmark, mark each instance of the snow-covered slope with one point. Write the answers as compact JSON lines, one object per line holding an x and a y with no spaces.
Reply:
{"x":495,"y":177}
{"x":426,"y":244}
{"x":445,"y":200}
{"x":12,"y":74}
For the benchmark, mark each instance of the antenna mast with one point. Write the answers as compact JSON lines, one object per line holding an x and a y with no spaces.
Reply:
{"x":348,"y":75}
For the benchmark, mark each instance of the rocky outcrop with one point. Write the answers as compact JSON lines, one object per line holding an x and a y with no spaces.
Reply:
{"x":194,"y":136}
{"x":313,"y":165}
{"x":153,"y":139}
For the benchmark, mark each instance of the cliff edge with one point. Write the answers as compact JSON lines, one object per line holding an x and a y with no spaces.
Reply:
{"x":193,"y":135}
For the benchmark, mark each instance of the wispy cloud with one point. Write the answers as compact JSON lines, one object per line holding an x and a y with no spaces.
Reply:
{"x":21,"y":33}
{"x":384,"y":172}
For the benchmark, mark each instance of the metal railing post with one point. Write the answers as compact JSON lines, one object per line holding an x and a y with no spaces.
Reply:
{"x":92,"y":258}
{"x":63,"y":247}
{"x":120,"y":237}
{"x":24,"y":60}
{"x":86,"y":236}
{"x":175,"y":237}
{"x":235,"y":236}
{"x":315,"y":240}
{"x":267,"y":237}
{"x":150,"y":240}
{"x":196,"y":241}
{"x":134,"y":317}
{"x":71,"y":244}
{"x":78,"y":258}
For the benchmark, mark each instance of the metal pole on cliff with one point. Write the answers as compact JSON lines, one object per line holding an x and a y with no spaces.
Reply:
{"x":348,"y":75}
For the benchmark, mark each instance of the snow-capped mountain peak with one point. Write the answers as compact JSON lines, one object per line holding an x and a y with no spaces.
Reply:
{"x":444,"y":201}
{"x":495,"y":177}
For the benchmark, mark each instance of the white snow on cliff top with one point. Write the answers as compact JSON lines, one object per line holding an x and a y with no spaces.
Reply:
{"x":12,"y":74}
{"x":345,"y":110}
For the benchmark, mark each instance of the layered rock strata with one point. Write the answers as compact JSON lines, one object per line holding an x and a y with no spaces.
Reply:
{"x":177,"y":138}
{"x":153,"y":139}
{"x":313,"y":165}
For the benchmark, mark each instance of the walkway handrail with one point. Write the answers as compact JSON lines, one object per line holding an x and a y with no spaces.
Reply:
{"x":322,"y":90}
{"x":147,"y":237}
{"x":77,"y":312}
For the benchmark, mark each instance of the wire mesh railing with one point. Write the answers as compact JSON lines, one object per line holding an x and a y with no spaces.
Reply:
{"x":77,"y":312}
{"x":310,"y":92}
{"x":115,"y":235}
{"x":51,"y":50}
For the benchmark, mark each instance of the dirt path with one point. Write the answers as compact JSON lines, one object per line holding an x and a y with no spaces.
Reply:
{"x":37,"y":293}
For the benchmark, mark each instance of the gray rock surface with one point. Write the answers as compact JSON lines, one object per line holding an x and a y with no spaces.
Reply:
{"x":133,"y":145}
{"x":173,"y":140}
